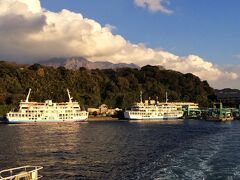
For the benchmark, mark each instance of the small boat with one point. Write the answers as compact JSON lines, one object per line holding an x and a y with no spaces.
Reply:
{"x":218,"y":113}
{"x":21,"y":173}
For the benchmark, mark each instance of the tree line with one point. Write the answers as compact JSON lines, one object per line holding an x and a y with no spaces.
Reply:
{"x":116,"y":88}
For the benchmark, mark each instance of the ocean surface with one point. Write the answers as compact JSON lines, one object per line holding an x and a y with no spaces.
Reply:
{"x":185,"y":149}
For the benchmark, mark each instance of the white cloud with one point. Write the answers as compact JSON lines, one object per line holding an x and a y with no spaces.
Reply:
{"x":233,"y":81}
{"x":19,"y":5}
{"x":30,"y":33}
{"x":110,"y":27}
{"x":154,"y":5}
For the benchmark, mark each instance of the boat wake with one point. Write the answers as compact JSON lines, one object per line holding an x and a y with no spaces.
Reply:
{"x":187,"y":162}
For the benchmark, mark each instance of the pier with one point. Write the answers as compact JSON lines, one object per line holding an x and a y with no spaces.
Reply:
{"x":215,"y":113}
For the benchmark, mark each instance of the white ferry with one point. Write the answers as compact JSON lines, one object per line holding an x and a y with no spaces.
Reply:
{"x":30,"y":112}
{"x":154,"y":110}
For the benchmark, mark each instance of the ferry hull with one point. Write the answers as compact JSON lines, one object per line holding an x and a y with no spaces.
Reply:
{"x":128,"y":116}
{"x":48,"y":121}
{"x":22,"y":121}
{"x":172,"y":118}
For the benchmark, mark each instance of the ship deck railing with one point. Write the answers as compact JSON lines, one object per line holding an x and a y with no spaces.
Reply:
{"x":21,"y":173}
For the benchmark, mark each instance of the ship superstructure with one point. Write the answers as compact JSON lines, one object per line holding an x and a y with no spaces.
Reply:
{"x":47,"y":111}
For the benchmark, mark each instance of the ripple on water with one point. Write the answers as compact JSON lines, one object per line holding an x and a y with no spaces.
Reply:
{"x":122,"y":150}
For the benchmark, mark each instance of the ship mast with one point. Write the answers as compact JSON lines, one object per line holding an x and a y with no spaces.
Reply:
{"x":140,"y":96}
{"x":28,"y":95}
{"x":166,"y":97}
{"x":70,"y":98}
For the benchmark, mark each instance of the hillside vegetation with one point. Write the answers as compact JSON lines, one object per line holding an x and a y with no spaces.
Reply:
{"x":117,"y":88}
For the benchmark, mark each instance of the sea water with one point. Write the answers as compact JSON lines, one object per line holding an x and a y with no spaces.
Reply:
{"x":183,"y":149}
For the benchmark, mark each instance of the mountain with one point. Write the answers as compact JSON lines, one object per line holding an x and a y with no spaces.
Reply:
{"x":229,"y":97}
{"x":77,"y":62}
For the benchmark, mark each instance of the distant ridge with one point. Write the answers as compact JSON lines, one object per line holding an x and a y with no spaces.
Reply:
{"x":77,"y":62}
{"x":228,"y":96}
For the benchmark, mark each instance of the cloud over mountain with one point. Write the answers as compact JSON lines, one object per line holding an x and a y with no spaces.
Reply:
{"x":28,"y":32}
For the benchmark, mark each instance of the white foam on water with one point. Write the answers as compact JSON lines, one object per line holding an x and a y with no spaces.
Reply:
{"x":187,"y":162}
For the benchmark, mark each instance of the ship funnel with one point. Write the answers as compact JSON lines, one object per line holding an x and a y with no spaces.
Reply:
{"x":70,"y":98}
{"x":28,"y":95}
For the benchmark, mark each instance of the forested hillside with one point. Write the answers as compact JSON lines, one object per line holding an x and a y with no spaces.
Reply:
{"x":117,"y":88}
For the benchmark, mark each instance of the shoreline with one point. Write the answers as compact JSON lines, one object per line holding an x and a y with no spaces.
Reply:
{"x":101,"y":118}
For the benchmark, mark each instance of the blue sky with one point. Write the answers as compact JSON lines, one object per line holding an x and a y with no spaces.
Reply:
{"x":210,"y":29}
